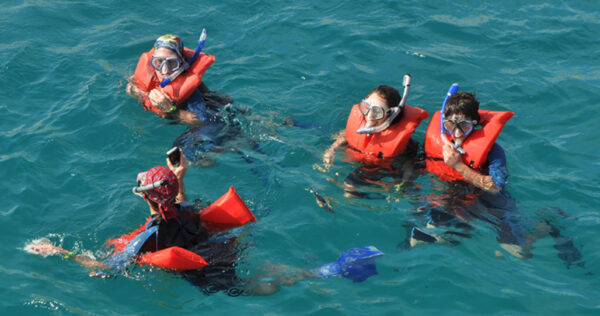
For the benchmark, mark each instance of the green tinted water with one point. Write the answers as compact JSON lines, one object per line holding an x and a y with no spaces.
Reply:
{"x":72,"y":142}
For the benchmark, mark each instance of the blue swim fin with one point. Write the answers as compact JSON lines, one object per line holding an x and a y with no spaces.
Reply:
{"x":357,"y":264}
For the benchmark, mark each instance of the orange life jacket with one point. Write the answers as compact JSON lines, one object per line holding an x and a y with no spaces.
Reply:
{"x":391,"y":142}
{"x":227,"y":212}
{"x":180,"y":89}
{"x":477,"y":145}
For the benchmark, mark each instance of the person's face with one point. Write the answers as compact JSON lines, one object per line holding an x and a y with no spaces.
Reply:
{"x":371,"y":103}
{"x":458,"y":135}
{"x":163,"y":59}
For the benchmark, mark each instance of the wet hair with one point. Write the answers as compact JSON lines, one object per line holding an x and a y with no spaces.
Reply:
{"x":392,"y":98}
{"x":463,"y":103}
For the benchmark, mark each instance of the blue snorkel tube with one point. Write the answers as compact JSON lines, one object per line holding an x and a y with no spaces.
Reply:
{"x":453,"y":89}
{"x":187,"y":64}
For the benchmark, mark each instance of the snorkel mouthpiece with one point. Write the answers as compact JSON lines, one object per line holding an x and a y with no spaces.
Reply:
{"x":148,"y":187}
{"x":186,"y":64}
{"x":459,"y":149}
{"x":452,"y":90}
{"x":367,"y":129}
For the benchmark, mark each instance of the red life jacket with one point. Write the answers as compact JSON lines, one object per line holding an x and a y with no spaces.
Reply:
{"x":477,"y":145}
{"x":227,"y":212}
{"x":391,"y":142}
{"x":180,"y":89}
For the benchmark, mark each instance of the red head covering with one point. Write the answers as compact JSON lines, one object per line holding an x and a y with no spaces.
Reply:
{"x":164,"y":195}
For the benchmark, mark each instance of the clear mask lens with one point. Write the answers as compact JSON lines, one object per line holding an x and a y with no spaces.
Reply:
{"x":172,"y":63}
{"x":466,"y":127}
{"x":377,"y":111}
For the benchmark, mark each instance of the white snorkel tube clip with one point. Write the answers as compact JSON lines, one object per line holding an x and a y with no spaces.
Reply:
{"x":367,"y":129}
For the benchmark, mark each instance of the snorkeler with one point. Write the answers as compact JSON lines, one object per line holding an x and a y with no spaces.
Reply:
{"x":378,"y":133}
{"x":457,"y":150}
{"x":179,"y":238}
{"x":461,"y":149}
{"x":459,"y":153}
{"x":168,"y":81}
{"x":175,"y":236}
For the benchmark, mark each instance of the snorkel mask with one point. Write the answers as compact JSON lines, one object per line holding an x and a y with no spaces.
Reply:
{"x":395,"y":111}
{"x":453,"y":89}
{"x":186,"y":64}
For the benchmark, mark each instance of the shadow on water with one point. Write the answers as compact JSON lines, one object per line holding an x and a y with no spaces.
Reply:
{"x":451,"y":213}
{"x":222,"y":133}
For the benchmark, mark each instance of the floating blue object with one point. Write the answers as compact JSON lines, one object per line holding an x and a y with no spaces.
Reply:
{"x":357,"y":264}
{"x":120,"y":259}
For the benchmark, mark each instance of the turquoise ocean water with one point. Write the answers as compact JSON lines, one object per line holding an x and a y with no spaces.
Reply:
{"x":72,"y":142}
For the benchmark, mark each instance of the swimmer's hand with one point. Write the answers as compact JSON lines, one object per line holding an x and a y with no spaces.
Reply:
{"x":46,"y":250}
{"x":318,"y":167}
{"x":451,"y":156}
{"x":179,"y":171}
{"x":133,"y":90}
{"x":181,"y":168}
{"x":160,"y":100}
{"x":329,"y":157}
{"x":189,"y":118}
{"x":452,"y":159}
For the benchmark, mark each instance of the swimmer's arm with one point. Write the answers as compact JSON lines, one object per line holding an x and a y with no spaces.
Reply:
{"x":453,"y":159}
{"x":89,"y":263}
{"x":329,"y":155}
{"x":83,"y":260}
{"x":481,"y":181}
{"x":181,"y":195}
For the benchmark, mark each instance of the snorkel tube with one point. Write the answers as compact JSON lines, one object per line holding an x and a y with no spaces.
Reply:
{"x":187,"y":64}
{"x":395,"y":111}
{"x":148,"y":187}
{"x":453,"y":89}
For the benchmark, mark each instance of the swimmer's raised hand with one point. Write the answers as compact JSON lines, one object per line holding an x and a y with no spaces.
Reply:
{"x":160,"y":100}
{"x":181,"y":168}
{"x":179,"y":171}
{"x":451,"y":156}
{"x":133,"y":90}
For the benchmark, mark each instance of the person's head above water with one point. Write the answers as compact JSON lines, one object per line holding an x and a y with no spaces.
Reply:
{"x":376,"y":107}
{"x":162,"y":198}
{"x":461,"y":115}
{"x":168,"y":55}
